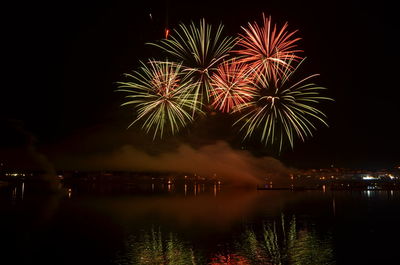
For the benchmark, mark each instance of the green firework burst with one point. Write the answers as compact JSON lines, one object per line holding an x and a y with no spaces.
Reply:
{"x":200,"y":49}
{"x":162,"y":95}
{"x":281,"y":109}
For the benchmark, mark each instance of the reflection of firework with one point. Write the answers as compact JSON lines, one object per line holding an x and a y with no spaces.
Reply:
{"x":161,"y":94}
{"x":231,"y":86}
{"x":233,"y":259}
{"x":282,"y":243}
{"x":281,"y":109}
{"x":267,"y":49}
{"x":200,"y":49}
{"x":154,"y":247}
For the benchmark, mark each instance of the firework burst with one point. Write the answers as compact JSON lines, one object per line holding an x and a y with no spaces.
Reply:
{"x":258,"y":84}
{"x":231,"y":86}
{"x":267,"y":48}
{"x":282,"y":109}
{"x":161,"y":95}
{"x":200,"y":49}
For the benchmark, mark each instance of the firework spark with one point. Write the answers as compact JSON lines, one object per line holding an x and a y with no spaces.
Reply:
{"x":282,"y":109}
{"x":268,"y":49}
{"x":160,"y":92}
{"x":200,"y":49}
{"x":231,"y":86}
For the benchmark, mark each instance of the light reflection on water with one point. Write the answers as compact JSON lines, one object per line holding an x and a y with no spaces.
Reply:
{"x":282,"y":242}
{"x":155,"y":247}
{"x":199,"y":224}
{"x":277,"y":242}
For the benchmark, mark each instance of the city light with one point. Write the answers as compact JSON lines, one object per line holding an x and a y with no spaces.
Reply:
{"x":14,"y":174}
{"x":369,"y":177}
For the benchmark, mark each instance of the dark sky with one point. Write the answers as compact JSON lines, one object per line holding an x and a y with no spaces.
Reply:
{"x":62,"y":61}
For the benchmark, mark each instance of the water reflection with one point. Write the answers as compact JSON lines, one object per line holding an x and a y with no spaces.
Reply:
{"x":201,"y":211}
{"x":17,"y":191}
{"x":229,"y":259}
{"x":196,"y":224}
{"x":278,"y":242}
{"x":155,"y":247}
{"x":281,"y":242}
{"x":22,"y":190}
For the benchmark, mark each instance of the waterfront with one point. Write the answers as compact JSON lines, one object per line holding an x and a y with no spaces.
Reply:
{"x":202,"y":224}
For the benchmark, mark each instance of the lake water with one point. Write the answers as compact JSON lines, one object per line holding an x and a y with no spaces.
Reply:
{"x":197,"y":224}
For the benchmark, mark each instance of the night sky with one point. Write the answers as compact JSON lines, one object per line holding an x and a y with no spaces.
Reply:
{"x":63,"y":60}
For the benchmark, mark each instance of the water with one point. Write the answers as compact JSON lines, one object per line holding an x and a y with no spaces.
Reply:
{"x":196,"y":224}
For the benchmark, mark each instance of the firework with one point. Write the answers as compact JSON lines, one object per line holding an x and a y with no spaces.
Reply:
{"x":268,"y":49}
{"x":160,"y":93}
{"x":200,"y":49}
{"x":282,"y":109}
{"x":231,"y":86}
{"x":258,"y":83}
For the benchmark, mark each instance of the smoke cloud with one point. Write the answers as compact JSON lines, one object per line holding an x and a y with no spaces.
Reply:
{"x":234,"y":166}
{"x":18,"y":152}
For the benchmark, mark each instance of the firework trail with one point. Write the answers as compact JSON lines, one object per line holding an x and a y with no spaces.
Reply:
{"x":282,"y":109}
{"x":200,"y":49}
{"x":161,"y":94}
{"x":268,"y":49}
{"x":231,"y":86}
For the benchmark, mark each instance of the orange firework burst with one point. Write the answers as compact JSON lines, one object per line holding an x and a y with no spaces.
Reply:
{"x":231,"y":86}
{"x":268,"y":49}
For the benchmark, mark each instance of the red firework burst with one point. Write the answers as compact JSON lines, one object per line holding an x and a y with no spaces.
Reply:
{"x":268,"y":49}
{"x":231,"y":86}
